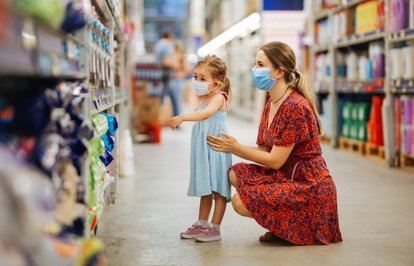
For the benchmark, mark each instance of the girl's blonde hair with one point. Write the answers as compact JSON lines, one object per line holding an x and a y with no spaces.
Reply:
{"x":218,"y":71}
{"x":282,"y":56}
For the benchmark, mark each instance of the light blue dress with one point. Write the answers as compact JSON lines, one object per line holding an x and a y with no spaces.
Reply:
{"x":209,"y":168}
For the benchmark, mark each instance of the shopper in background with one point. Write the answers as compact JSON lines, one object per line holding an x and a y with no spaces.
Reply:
{"x":289,"y":191}
{"x":181,"y":71}
{"x":209,"y":169}
{"x":164,"y":52}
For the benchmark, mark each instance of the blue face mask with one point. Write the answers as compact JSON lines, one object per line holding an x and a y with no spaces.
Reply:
{"x":261,"y":78}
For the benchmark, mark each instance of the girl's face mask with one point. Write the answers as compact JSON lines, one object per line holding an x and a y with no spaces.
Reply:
{"x":200,"y":87}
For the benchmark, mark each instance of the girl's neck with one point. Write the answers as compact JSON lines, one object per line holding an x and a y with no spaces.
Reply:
{"x":206,"y":98}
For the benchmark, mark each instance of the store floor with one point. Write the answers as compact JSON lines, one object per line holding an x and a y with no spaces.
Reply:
{"x":376,"y":206}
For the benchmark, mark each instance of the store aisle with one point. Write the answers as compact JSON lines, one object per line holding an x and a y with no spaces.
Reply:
{"x":375,"y":203}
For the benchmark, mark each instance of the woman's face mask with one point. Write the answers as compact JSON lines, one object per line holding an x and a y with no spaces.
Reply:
{"x":200,"y":87}
{"x":261,"y":78}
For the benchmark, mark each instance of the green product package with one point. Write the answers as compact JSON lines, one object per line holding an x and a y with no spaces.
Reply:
{"x":346,"y":111}
{"x":50,"y":11}
{"x":354,"y":112}
{"x":353,"y":131}
{"x":364,"y":110}
{"x":346,"y":129}
{"x":96,"y":148}
{"x":362,"y":131}
{"x":100,"y":123}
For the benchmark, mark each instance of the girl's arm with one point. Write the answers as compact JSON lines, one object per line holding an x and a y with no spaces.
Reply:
{"x":214,"y":105}
{"x":274,"y":159}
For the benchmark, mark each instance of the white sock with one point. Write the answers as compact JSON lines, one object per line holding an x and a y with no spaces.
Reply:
{"x":215,"y":226}
{"x":203,"y":223}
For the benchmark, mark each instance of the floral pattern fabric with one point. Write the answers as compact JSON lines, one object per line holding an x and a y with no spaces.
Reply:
{"x":298,"y":202}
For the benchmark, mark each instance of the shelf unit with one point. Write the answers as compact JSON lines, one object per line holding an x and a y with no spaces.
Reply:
{"x":335,"y":87}
{"x":37,"y":53}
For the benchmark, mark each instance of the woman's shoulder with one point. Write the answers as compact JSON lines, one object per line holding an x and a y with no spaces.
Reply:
{"x":297,"y":103}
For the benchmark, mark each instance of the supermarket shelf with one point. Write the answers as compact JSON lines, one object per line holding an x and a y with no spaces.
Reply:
{"x":343,"y":86}
{"x":101,"y":108}
{"x":321,"y":48}
{"x":402,"y":86}
{"x":322,"y":14}
{"x":356,"y":39}
{"x":33,"y":48}
{"x":348,"y":4}
{"x":403,"y":35}
{"x":103,"y":9}
{"x":321,"y":87}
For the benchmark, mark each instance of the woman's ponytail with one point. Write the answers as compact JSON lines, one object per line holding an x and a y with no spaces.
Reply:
{"x":298,"y":83}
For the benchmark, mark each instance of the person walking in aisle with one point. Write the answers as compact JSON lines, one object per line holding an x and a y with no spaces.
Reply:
{"x":164,"y":55}
{"x":181,"y":71}
{"x":289,"y":190}
{"x":209,"y":169}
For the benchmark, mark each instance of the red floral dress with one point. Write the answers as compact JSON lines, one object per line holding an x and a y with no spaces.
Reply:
{"x":297,"y":202}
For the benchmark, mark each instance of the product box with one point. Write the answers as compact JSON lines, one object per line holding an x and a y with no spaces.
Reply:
{"x":353,"y":131}
{"x":346,"y":129}
{"x":354,"y":112}
{"x":366,"y":17}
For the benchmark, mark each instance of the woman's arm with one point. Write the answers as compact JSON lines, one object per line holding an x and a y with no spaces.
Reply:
{"x":214,"y":105}
{"x":274,"y":159}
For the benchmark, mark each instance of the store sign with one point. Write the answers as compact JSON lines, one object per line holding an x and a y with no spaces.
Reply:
{"x":282,"y":5}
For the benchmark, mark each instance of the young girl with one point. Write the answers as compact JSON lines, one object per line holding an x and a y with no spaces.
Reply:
{"x":209,"y":169}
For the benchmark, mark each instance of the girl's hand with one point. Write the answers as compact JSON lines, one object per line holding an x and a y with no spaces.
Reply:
{"x":225,"y":144}
{"x":175,"y":121}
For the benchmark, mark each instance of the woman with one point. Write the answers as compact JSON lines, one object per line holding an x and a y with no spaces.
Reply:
{"x":289,"y":191}
{"x":181,"y":70}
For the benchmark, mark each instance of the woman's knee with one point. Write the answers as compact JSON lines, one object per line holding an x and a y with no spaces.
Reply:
{"x":238,"y":206}
{"x":234,"y":181}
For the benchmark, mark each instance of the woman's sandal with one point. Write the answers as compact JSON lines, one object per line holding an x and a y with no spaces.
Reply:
{"x":269,"y":237}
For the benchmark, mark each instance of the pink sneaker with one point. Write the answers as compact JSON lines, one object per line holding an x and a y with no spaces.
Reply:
{"x":192,"y":231}
{"x":208,"y":234}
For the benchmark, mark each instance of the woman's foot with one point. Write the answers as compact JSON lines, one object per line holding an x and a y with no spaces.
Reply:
{"x":268,"y":237}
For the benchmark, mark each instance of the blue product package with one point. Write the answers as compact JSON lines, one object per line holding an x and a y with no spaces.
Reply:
{"x":75,"y":18}
{"x":108,"y":141}
{"x":107,"y":158}
{"x":112,"y":124}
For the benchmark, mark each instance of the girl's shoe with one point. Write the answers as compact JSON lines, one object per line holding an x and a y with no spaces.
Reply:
{"x":193,"y":231}
{"x":208,"y":234}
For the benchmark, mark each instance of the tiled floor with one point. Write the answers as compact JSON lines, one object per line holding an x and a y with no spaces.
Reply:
{"x":376,"y":206}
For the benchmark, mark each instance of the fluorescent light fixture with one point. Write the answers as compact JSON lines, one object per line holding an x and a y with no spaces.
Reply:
{"x":247,"y":25}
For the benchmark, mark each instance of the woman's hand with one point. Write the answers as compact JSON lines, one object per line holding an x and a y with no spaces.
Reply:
{"x":175,"y":121}
{"x":225,"y":144}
